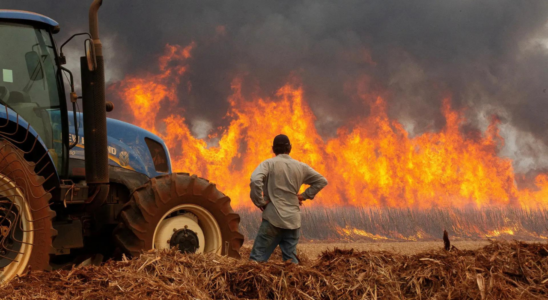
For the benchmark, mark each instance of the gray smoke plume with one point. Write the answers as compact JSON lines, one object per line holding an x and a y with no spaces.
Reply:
{"x":490,"y":57}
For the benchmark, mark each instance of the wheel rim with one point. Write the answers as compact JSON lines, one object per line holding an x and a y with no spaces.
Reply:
{"x":211,"y":237}
{"x":21,"y":229}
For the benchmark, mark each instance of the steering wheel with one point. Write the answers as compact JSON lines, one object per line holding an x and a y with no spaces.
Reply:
{"x":4,"y":94}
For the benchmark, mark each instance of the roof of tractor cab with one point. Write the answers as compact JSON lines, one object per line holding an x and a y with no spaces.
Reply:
{"x":28,"y":16}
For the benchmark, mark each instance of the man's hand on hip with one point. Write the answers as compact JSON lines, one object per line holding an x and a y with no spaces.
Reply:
{"x":301,"y":199}
{"x":263,"y":207}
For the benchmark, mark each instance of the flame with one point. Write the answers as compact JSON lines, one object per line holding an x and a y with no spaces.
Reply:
{"x":496,"y":233}
{"x":351,"y":232}
{"x":372,"y":161}
{"x":420,"y":235}
{"x":147,"y":94}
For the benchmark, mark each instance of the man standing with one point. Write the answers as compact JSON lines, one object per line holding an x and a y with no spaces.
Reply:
{"x":275,"y":186}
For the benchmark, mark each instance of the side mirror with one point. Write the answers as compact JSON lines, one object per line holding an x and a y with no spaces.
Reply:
{"x":90,"y":55}
{"x":34,"y":66}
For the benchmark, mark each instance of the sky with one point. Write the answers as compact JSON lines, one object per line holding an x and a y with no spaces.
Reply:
{"x":489,"y":56}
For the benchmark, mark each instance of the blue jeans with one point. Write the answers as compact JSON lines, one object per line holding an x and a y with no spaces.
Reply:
{"x":269,"y":237}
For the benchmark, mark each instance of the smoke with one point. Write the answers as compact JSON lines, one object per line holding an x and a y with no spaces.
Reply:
{"x":489,"y":57}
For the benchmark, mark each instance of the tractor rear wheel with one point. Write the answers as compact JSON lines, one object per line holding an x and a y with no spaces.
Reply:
{"x":182,"y":211}
{"x":26,"y":230}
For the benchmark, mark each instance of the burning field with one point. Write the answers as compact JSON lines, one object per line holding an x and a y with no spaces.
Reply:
{"x":384,"y":183}
{"x":500,"y":270}
{"x":371,"y":162}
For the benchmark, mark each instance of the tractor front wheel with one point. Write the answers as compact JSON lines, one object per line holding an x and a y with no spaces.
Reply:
{"x":181,"y":211}
{"x":26,"y":230}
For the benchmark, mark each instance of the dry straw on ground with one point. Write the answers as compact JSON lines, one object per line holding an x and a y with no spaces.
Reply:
{"x":500,"y":270}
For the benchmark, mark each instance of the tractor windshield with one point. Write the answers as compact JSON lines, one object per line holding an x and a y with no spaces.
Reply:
{"x":28,"y":82}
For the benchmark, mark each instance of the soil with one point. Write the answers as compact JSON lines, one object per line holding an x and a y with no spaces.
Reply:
{"x":499,"y":270}
{"x":313,"y":250}
{"x":407,"y":248}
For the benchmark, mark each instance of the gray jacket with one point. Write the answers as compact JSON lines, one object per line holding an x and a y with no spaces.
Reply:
{"x":283,"y":177}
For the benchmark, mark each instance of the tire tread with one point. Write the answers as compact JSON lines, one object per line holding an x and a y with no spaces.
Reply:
{"x":139,"y":215}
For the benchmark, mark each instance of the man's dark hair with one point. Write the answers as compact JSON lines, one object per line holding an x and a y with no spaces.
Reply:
{"x":281,"y":145}
{"x":281,"y":149}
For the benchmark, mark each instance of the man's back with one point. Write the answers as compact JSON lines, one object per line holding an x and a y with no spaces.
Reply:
{"x":280,"y":178}
{"x":275,"y":185}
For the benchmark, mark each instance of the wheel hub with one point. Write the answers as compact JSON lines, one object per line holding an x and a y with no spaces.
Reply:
{"x":10,"y":233}
{"x":185,"y":240}
{"x":5,"y":230}
{"x":181,"y":231}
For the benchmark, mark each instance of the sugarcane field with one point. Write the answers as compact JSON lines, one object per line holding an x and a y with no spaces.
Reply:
{"x":377,"y":149}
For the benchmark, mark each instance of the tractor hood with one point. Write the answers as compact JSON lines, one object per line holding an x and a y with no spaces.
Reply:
{"x":129,"y":147}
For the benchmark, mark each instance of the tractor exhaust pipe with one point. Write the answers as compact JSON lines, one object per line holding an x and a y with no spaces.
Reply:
{"x":94,"y":26}
{"x":94,"y":111}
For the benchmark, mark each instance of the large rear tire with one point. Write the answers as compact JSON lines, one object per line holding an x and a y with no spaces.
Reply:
{"x":26,"y":230}
{"x":186,"y":207}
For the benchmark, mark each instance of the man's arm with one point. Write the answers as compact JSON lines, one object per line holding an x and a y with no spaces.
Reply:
{"x":256,"y":185}
{"x":315,"y":180}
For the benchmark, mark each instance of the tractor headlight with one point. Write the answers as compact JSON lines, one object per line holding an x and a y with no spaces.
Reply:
{"x":159,"y":157}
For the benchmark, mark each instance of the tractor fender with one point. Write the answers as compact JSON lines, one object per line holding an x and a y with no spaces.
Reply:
{"x":16,"y":130}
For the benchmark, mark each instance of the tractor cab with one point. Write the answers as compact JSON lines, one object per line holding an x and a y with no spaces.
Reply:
{"x":30,"y":80}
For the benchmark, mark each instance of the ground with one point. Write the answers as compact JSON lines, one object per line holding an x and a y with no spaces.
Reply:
{"x":408,"y":248}
{"x":313,"y":250}
{"x":497,"y":270}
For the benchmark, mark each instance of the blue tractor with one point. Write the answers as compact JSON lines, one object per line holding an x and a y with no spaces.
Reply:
{"x":80,"y":186}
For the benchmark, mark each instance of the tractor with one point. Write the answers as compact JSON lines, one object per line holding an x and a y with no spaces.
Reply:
{"x":76,"y":187}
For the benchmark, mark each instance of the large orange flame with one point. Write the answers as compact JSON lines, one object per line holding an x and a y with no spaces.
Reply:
{"x":371,"y":162}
